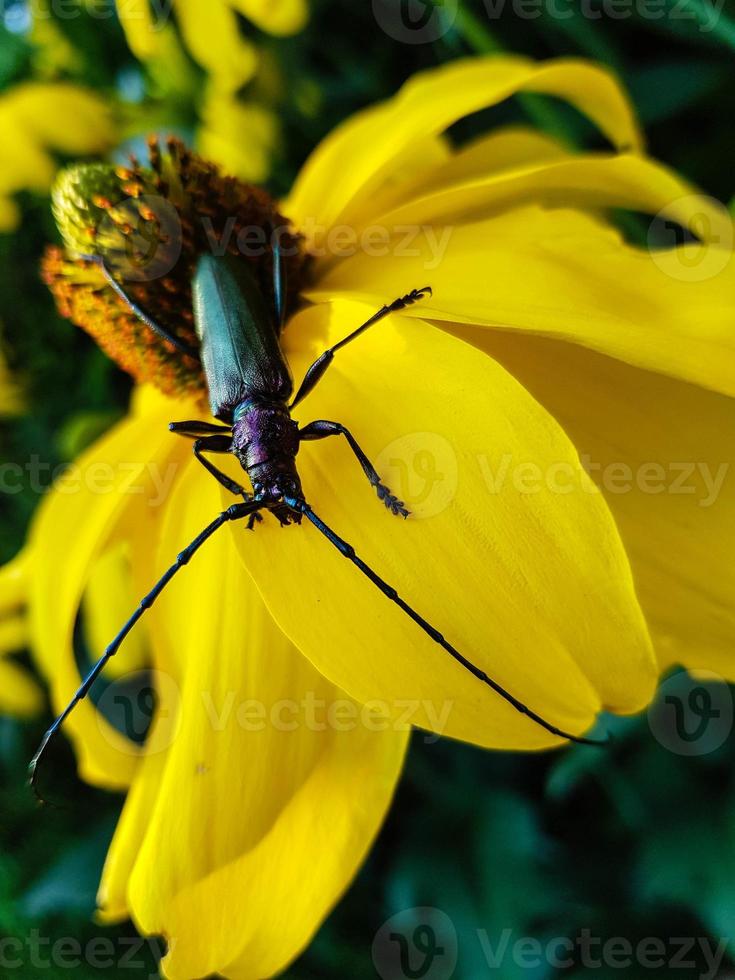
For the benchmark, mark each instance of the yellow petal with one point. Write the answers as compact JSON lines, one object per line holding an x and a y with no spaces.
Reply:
{"x":212,"y":35}
{"x":9,"y":214}
{"x":240,"y":837}
{"x":584,"y":181}
{"x":25,"y":164}
{"x":349,"y":166}
{"x":141,"y":31}
{"x":413,"y":171}
{"x":505,"y":149}
{"x":20,"y":696}
{"x":125,"y":473}
{"x":14,"y":582}
{"x":13,"y":634}
{"x":239,"y":136}
{"x":60,"y":115}
{"x":434,"y":165}
{"x":562,"y":274}
{"x":280,"y":17}
{"x":109,"y":597}
{"x":531,"y":584}
{"x":661,"y":450}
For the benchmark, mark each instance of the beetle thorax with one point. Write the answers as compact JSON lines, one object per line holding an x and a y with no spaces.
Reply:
{"x":265,"y":439}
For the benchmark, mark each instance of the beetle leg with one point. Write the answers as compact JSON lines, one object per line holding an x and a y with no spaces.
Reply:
{"x":321,"y":429}
{"x":196,"y":428}
{"x":223,"y":444}
{"x":320,"y":365}
{"x":234,"y":513}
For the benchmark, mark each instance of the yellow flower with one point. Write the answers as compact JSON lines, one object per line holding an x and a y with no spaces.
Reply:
{"x":212,"y":35}
{"x":250,"y":809}
{"x":224,"y":119}
{"x":20,"y":696}
{"x":37,"y":118}
{"x":211,"y":32}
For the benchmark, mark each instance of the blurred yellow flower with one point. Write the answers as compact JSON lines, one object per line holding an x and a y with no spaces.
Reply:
{"x":35,"y":120}
{"x":223,"y":120}
{"x":250,"y":809}
{"x":20,"y":696}
{"x":211,"y":32}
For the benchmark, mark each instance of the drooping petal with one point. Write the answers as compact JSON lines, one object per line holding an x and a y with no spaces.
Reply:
{"x":240,"y":836}
{"x":125,"y":473}
{"x":504,"y":149}
{"x":662,"y":452}
{"x":585,"y":181}
{"x":435,"y":165}
{"x":347,"y":169}
{"x":19,"y":694}
{"x":14,"y":582}
{"x":527,"y":578}
{"x":562,"y":274}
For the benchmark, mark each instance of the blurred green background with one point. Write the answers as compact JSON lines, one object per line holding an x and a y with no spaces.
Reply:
{"x":634,"y":842}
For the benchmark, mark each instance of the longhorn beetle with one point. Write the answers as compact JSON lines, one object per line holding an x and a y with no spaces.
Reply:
{"x":249,"y":386}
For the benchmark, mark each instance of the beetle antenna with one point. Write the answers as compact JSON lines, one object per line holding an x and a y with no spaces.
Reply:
{"x":280,"y":284}
{"x":389,"y":592}
{"x":139,"y":311}
{"x":234,"y":513}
